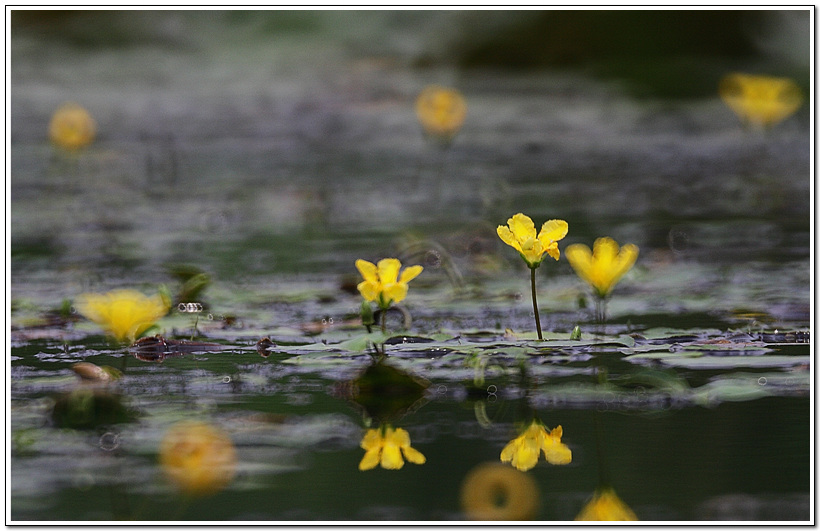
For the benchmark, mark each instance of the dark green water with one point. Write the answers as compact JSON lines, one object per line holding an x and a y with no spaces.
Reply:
{"x":273,"y":152}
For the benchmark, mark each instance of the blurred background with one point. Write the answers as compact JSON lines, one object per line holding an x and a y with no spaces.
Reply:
{"x":275,"y":141}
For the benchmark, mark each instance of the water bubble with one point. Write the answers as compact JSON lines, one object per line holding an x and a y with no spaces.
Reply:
{"x":109,"y":441}
{"x":492,"y":389}
{"x":762,"y":380}
{"x":678,"y":240}
{"x":226,"y":379}
{"x":441,"y":389}
{"x":432,"y":259}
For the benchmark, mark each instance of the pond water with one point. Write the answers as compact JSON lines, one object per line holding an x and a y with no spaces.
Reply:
{"x":270,"y":158}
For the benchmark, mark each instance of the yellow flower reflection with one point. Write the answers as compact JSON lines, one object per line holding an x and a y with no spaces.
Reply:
{"x":71,"y":127}
{"x":604,"y":266}
{"x":492,"y":491}
{"x":382,"y":282}
{"x":519,"y":233}
{"x":441,"y":111}
{"x":197,"y":457}
{"x":606,"y":506}
{"x":522,"y":452}
{"x":385,"y":446}
{"x":124,"y":314}
{"x":760,"y":100}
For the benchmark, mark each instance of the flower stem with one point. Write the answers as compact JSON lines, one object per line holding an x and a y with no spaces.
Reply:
{"x":535,"y":304}
{"x":384,"y":320}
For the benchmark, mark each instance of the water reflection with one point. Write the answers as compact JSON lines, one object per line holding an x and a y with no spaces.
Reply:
{"x":198,"y":458}
{"x":385,"y":446}
{"x":605,"y":505}
{"x":523,"y":451}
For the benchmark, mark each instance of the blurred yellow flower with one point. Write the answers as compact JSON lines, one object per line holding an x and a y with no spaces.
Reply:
{"x":441,"y":111}
{"x":492,"y":491}
{"x":519,"y":233}
{"x":72,"y":127}
{"x":197,"y":457}
{"x":760,"y":100}
{"x":382,"y":282}
{"x":604,"y":266}
{"x":606,"y":506}
{"x":124,"y":313}
{"x":522,"y":452}
{"x":385,"y":446}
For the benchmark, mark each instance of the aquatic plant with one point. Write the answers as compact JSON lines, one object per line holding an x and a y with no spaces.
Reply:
{"x":519,"y":233}
{"x":385,"y":446}
{"x":72,"y":127}
{"x":441,"y":112}
{"x":198,"y":458}
{"x":125,"y":314}
{"x":605,"y":505}
{"x":492,"y":491}
{"x":602,"y":267}
{"x":523,"y":451}
{"x":760,"y":101}
{"x":382,"y":283}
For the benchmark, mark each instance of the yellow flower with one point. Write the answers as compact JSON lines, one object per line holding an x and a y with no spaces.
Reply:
{"x":520,"y":235}
{"x":522,"y":452}
{"x":382,"y":282}
{"x":492,"y":491}
{"x":124,"y":314}
{"x":198,"y":458}
{"x":604,"y":266}
{"x":606,"y":506}
{"x":760,"y":100}
{"x":71,"y":127}
{"x":385,"y":446}
{"x":441,"y":111}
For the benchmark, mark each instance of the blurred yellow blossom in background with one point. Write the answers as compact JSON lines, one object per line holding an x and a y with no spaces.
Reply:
{"x":124,"y":313}
{"x":72,"y":127}
{"x":382,"y":282}
{"x":385,"y":446}
{"x":762,"y":101}
{"x":606,"y":506}
{"x":519,"y":233}
{"x":198,"y":458}
{"x":441,"y":111}
{"x":522,"y":452}
{"x":604,"y":266}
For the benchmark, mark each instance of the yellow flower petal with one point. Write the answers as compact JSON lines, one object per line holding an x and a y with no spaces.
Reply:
{"x":413,"y":455}
{"x":371,"y":459}
{"x":508,"y":237}
{"x":388,"y":270}
{"x":410,"y":273}
{"x":395,"y":293}
{"x":604,"y":266}
{"x":372,"y":440}
{"x":760,"y":100}
{"x":368,"y":270}
{"x":553,"y":230}
{"x":391,"y":457}
{"x":124,"y":314}
{"x":522,"y":227}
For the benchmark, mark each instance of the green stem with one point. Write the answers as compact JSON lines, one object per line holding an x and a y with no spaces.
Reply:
{"x":384,"y":320}
{"x":535,"y":304}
